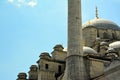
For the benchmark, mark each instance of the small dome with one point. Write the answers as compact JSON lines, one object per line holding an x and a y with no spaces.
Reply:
{"x":111,"y":50}
{"x":22,"y":75}
{"x":88,"y":50}
{"x":58,"y":46}
{"x":33,"y":66}
{"x":97,"y":38}
{"x":101,"y":23}
{"x":44,"y":54}
{"x":115,"y":45}
{"x":104,"y":43}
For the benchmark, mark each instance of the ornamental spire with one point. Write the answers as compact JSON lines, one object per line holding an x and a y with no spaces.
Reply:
{"x":97,"y":13}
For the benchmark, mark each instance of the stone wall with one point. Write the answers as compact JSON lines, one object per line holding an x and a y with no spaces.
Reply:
{"x":48,"y":69}
{"x":89,"y":36}
{"x":46,"y":75}
{"x":59,"y":55}
{"x":112,"y":72}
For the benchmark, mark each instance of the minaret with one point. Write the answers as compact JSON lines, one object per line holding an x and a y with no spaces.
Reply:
{"x":74,"y":62}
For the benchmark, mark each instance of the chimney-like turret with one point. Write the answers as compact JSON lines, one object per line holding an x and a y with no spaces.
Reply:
{"x":22,"y":76}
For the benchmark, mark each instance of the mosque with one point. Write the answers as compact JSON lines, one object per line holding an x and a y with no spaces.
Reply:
{"x":93,"y":51}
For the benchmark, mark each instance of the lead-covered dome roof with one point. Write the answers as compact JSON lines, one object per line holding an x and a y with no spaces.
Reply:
{"x":88,"y":50}
{"x":115,"y":44}
{"x":101,"y":23}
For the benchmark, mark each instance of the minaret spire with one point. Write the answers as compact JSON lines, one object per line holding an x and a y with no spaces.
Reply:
{"x":97,"y":13}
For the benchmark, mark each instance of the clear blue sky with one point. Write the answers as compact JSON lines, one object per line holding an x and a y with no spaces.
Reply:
{"x":29,"y":27}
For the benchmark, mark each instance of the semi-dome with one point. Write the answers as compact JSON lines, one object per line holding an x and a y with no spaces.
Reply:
{"x":101,"y":23}
{"x":88,"y":50}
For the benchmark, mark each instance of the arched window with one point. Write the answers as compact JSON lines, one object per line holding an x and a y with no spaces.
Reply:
{"x":98,"y":33}
{"x":113,"y":36}
{"x":46,"y":66}
{"x":59,"y":68}
{"x":39,"y":67}
{"x":105,"y":35}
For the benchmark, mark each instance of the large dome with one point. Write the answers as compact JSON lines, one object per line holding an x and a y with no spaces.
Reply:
{"x":101,"y":23}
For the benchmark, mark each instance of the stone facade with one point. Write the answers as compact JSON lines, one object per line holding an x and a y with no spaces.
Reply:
{"x":103,"y":65}
{"x":51,"y":67}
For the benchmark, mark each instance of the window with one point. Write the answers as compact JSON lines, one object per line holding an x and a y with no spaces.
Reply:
{"x":105,"y":35}
{"x":39,"y":67}
{"x":113,"y":36}
{"x":59,"y":68}
{"x":98,"y":33}
{"x":46,"y":66}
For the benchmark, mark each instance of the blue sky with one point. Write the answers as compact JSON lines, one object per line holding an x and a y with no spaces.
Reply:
{"x":29,"y":27}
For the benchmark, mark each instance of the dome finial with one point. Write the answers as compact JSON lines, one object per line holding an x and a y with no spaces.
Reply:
{"x":97,"y":13}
